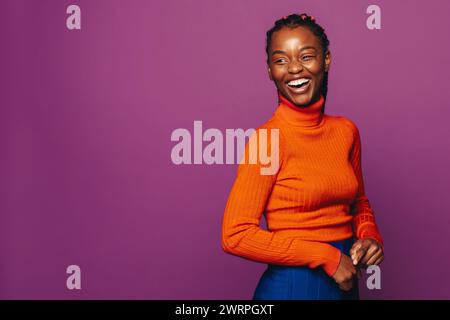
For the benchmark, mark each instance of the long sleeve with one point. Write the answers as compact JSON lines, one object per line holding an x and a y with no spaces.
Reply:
{"x":243,"y":236}
{"x":364,"y":223}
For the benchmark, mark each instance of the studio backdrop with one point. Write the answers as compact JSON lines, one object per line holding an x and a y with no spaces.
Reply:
{"x":93,"y":92}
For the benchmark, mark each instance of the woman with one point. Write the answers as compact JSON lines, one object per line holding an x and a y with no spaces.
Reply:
{"x":321,"y":228}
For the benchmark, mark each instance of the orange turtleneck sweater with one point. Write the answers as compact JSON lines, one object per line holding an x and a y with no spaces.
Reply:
{"x":316,"y":196}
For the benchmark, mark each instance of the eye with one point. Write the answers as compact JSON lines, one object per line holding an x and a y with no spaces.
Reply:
{"x":280,"y":60}
{"x":306,"y":58}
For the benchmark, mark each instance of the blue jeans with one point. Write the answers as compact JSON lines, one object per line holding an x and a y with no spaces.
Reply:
{"x":303,"y":283}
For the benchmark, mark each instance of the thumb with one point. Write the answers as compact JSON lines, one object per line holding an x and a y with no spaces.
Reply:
{"x":355,"y":249}
{"x":358,"y":255}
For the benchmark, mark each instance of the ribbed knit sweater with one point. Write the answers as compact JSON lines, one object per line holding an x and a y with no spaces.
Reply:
{"x":316,"y":196}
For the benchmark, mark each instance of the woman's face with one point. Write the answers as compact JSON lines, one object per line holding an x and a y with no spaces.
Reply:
{"x":295,"y":55}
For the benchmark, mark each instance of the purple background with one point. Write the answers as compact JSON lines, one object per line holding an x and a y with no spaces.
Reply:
{"x":86,"y":117}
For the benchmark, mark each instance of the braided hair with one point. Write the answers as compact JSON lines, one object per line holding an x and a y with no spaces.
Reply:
{"x":302,"y":20}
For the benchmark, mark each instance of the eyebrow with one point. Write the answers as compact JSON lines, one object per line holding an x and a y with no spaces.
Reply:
{"x":302,"y":49}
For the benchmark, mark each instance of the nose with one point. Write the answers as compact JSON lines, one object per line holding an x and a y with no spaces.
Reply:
{"x":295,"y":66}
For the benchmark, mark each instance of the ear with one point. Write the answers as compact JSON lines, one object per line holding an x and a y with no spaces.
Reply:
{"x":270,"y":73}
{"x":327,"y":60}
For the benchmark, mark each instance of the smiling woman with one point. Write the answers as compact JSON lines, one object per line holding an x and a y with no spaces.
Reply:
{"x":298,"y":61}
{"x":321,"y":227}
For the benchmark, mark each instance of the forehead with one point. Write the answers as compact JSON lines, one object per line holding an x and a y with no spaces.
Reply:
{"x":293,"y":38}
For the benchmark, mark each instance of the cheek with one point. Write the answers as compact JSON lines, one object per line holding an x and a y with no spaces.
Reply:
{"x":314,"y":68}
{"x":278,"y":73}
{"x":317,"y":71}
{"x":278,"y":80}
{"x":319,"y":79}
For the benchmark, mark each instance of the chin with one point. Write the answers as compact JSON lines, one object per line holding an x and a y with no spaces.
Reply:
{"x":301,"y":100}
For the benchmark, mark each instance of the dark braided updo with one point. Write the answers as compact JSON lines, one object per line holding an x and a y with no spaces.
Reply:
{"x":302,"y":20}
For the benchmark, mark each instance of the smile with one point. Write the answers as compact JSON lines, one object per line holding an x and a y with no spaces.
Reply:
{"x":299,"y":85}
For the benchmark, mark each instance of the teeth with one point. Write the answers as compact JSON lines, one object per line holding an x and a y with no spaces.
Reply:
{"x":298,"y":82}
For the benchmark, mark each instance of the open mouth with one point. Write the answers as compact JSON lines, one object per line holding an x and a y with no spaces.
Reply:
{"x":299,"y":85}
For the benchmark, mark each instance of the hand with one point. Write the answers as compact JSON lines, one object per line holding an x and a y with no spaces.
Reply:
{"x":345,"y":273}
{"x":366,"y":252}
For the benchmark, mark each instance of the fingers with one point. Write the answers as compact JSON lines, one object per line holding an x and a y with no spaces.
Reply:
{"x":358,"y":256}
{"x":356,"y":246}
{"x":380,"y":260}
{"x":371,"y":251}
{"x":349,"y":284}
{"x":346,"y":286}
{"x":375,"y":257}
{"x":345,"y":275}
{"x":359,"y":251}
{"x":366,"y":252}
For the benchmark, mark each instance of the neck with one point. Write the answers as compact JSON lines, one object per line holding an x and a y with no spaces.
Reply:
{"x":308,"y":116}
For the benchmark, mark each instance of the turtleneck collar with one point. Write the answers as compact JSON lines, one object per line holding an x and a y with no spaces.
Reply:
{"x":309,"y":116}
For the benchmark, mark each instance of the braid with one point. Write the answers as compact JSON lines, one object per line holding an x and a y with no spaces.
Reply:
{"x":302,"y":20}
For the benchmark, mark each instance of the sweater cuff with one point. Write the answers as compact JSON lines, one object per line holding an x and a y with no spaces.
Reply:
{"x":332,"y":260}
